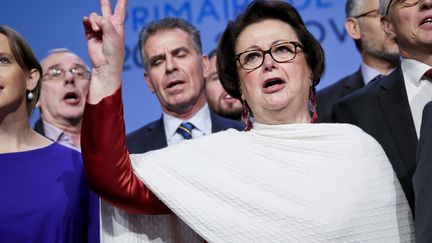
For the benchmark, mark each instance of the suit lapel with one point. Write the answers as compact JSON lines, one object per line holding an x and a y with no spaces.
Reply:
{"x":354,"y":82}
{"x":216,"y":124}
{"x":157,"y":136}
{"x":397,"y":113}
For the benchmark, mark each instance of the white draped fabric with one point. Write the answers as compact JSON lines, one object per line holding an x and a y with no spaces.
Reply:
{"x":281,"y":183}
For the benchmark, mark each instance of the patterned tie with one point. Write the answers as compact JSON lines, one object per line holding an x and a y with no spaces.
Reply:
{"x":185,"y":129}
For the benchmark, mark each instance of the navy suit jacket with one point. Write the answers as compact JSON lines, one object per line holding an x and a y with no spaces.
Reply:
{"x":39,"y":127}
{"x":423,"y":179}
{"x":152,"y":136}
{"x":328,"y":96}
{"x":382,"y":110}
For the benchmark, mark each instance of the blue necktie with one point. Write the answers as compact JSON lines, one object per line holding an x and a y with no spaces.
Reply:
{"x":185,"y":129}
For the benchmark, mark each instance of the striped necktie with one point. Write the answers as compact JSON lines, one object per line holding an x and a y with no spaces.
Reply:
{"x":185,"y":130}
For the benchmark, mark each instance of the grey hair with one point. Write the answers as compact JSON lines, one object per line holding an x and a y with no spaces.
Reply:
{"x":168,"y":24}
{"x":62,"y":50}
{"x":354,"y":7}
{"x":383,"y":7}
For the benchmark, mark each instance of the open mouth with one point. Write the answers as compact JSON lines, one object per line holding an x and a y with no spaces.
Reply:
{"x":273,"y":85}
{"x":175,"y":83}
{"x":71,"y":97}
{"x":273,"y":82}
{"x":229,"y":98}
{"x":427,"y":20}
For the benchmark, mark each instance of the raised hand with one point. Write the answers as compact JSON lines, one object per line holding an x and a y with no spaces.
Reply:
{"x":105,"y":43}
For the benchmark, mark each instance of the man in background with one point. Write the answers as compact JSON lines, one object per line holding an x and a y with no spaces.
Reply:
{"x":379,"y":54}
{"x":65,"y":84}
{"x":390,"y":109}
{"x":218,"y":99}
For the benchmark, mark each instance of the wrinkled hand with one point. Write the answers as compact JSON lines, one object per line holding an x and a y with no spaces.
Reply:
{"x":105,"y":42}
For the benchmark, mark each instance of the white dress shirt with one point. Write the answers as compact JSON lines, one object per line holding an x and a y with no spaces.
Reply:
{"x":418,"y":87}
{"x":201,"y":121}
{"x":54,"y":133}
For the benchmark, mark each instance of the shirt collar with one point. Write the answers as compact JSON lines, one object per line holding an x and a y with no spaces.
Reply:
{"x":201,"y":120}
{"x":368,"y":73}
{"x":54,"y":133}
{"x":413,"y":70}
{"x":51,"y":131}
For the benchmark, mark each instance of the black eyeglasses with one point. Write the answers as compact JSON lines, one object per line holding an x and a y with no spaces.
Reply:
{"x":58,"y":73}
{"x":371,"y":13}
{"x":406,"y":3}
{"x":282,"y":52}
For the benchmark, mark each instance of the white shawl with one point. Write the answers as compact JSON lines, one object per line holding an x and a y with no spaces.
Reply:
{"x":281,"y":183}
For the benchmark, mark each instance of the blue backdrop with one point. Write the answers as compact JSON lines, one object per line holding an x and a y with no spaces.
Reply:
{"x":48,"y":24}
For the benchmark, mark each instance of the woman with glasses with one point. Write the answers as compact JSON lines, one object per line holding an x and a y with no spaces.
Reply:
{"x":286,"y":179}
{"x":44,"y":195}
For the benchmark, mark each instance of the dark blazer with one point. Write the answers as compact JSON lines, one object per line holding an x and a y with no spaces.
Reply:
{"x":381,"y":109}
{"x":423,"y":179}
{"x":329,"y":95}
{"x":39,"y":127}
{"x":152,"y":136}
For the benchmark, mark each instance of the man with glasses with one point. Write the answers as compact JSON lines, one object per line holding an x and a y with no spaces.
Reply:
{"x":379,"y":54}
{"x":64,"y":89}
{"x":390,"y":109}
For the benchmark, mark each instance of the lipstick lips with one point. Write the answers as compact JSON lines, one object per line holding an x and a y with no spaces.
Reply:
{"x":273,"y":85}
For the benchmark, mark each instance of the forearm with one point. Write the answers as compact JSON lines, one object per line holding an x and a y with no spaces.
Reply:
{"x":106,"y":159}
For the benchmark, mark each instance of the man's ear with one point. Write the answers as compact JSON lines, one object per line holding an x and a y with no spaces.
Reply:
{"x":388,"y":28}
{"x":352,"y":27}
{"x":149,"y":82}
{"x":206,"y":66}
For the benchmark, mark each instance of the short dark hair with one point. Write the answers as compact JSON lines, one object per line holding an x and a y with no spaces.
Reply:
{"x":257,"y":11}
{"x":211,"y":54}
{"x":168,"y":24}
{"x":25,"y":58}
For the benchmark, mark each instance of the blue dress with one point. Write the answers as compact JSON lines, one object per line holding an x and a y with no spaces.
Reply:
{"x":44,"y":197}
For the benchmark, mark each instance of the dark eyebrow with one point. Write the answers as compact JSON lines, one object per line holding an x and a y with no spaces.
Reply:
{"x":157,"y":57}
{"x":176,"y":51}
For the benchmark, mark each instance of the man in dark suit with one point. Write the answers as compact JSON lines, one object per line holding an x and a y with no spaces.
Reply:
{"x":390,"y":108}
{"x":379,"y":54}
{"x":174,"y":70}
{"x":423,"y":179}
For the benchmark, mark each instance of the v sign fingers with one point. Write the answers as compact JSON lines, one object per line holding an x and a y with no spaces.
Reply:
{"x":106,"y":8}
{"x":105,"y":43}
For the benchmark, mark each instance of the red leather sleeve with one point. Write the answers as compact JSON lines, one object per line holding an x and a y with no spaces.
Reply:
{"x":106,"y":159}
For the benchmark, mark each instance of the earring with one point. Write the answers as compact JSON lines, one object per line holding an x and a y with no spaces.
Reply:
{"x":245,"y":116}
{"x":312,"y":103}
{"x":30,"y":95}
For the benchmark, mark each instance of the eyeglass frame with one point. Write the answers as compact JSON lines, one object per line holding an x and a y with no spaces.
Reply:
{"x":87,"y":73}
{"x":367,"y":14}
{"x":296,"y":45}
{"x":391,"y":1}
